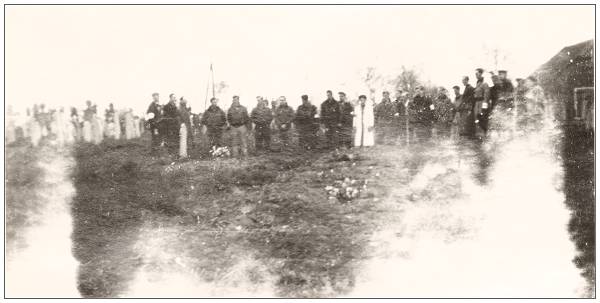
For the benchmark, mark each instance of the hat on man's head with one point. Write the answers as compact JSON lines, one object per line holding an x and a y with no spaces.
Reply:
{"x":304,"y":97}
{"x":342,"y":93}
{"x":502,"y":72}
{"x":154,"y":94}
{"x":362,"y":97}
{"x":479,"y":69}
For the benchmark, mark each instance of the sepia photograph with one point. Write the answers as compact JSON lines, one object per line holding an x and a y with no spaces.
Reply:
{"x":421,"y":151}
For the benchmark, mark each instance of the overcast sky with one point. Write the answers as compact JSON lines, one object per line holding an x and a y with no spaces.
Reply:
{"x":64,"y":55}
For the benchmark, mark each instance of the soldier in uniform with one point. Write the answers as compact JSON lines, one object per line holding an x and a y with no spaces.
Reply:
{"x":262,"y":116}
{"x":443,"y":112}
{"x":171,"y":125}
{"x":214,"y":120}
{"x":346,"y":120}
{"x":284,"y":116}
{"x":330,"y":117}
{"x":506,"y":93}
{"x":238,"y":119}
{"x":422,"y":107}
{"x":466,"y":117}
{"x":154,"y":116}
{"x":385,"y":113}
{"x":306,"y":123}
{"x":481,"y":97}
{"x":401,"y":113}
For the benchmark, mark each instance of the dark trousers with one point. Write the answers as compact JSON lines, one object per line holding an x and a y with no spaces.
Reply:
{"x":284,"y":137}
{"x":386,"y":133}
{"x":332,"y":135}
{"x":307,"y":136}
{"x":262,"y":136}
{"x":215,"y":136}
{"x":156,"y":138}
{"x":466,"y":123}
{"x":345,"y":136}
{"x":172,"y":135}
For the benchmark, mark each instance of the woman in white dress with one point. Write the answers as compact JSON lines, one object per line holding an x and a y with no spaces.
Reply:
{"x":364,"y":123}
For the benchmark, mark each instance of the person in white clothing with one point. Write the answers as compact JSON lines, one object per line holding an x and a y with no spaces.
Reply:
{"x":364,"y":123}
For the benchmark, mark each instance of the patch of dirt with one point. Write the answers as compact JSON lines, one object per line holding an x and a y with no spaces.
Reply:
{"x":273,"y":206}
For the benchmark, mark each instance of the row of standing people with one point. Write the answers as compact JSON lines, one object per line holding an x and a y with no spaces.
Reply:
{"x":344,"y":123}
{"x":470,"y":113}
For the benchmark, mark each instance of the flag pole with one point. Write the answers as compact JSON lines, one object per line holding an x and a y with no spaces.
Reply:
{"x":213,"y":80}
{"x":207,"y":86}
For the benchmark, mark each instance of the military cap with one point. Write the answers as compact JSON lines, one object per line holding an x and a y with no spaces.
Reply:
{"x":304,"y":97}
{"x":362,"y":97}
{"x":502,"y":72}
{"x":479,"y":69}
{"x":341,"y":93}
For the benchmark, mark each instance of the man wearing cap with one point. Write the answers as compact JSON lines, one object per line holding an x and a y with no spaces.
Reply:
{"x":171,"y":125}
{"x":306,"y":123}
{"x":422,"y":107}
{"x":505,"y":91}
{"x":443,"y":112}
{"x":153,"y":117}
{"x":346,"y":121}
{"x":385,"y":113}
{"x":284,"y":116}
{"x":238,"y":119}
{"x":481,"y":96}
{"x":262,"y":116}
{"x":214,"y":120}
{"x":330,"y":117}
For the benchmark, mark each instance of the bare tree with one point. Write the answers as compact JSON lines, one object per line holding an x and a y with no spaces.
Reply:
{"x":407,"y":80}
{"x":373,"y":80}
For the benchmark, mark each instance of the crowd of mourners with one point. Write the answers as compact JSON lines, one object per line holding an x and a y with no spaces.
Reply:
{"x":342,"y":123}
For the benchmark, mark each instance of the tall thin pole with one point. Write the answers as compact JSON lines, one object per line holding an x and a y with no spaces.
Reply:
{"x":210,"y":75}
{"x":213,"y":80}
{"x":206,"y":96}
